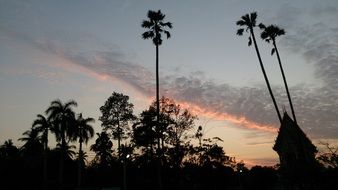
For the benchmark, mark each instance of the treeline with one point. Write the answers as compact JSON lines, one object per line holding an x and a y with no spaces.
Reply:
{"x":131,"y":152}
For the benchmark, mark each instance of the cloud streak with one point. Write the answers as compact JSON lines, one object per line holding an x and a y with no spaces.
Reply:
{"x":245,"y":107}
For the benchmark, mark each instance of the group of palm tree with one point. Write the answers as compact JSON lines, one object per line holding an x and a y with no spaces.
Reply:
{"x":269,"y":34}
{"x":156,"y":27}
{"x":67,"y":127}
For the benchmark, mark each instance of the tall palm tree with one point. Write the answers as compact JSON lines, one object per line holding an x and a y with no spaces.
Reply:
{"x":269,"y":34}
{"x":63,"y":118}
{"x":83,"y":131}
{"x":42,"y":124}
{"x":155,"y":28}
{"x":248,"y":23}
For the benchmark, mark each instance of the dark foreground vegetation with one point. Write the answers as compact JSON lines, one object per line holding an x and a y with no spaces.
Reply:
{"x":143,"y":156}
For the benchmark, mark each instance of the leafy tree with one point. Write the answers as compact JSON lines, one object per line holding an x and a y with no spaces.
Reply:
{"x":248,"y":23}
{"x":103,"y":149}
{"x":83,"y":132}
{"x":63,"y":118}
{"x":210,"y":154}
{"x":269,"y":34}
{"x":144,"y":132}
{"x":117,"y":112}
{"x":156,"y":26}
{"x":177,"y":123}
{"x":330,"y":156}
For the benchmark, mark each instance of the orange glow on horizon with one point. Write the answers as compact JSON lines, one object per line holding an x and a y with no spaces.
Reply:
{"x":238,"y":120}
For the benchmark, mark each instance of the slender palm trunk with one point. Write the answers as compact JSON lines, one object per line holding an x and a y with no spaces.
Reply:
{"x":157,"y":99}
{"x":265,"y":76}
{"x":79,"y":174}
{"x":62,"y":154}
{"x":158,"y":121}
{"x":285,"y":83}
{"x":45,"y":161}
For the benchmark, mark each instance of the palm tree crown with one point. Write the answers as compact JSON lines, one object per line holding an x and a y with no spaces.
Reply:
{"x":42,"y":125}
{"x":156,"y":27}
{"x":63,"y":117}
{"x":247,"y":22}
{"x":84,"y":131}
{"x":270,"y":33}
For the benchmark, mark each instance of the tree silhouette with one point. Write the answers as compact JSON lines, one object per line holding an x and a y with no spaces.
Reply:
{"x":103,"y":149}
{"x":269,"y":34}
{"x":8,"y":150}
{"x":33,"y":145}
{"x":83,"y":131}
{"x":117,"y":112}
{"x":66,"y":150}
{"x":42,"y":125}
{"x":63,"y":118}
{"x":176,"y":122}
{"x":155,"y":28}
{"x":144,"y":132}
{"x":247,"y":23}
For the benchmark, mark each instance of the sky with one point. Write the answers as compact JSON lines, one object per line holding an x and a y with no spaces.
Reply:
{"x":84,"y":50}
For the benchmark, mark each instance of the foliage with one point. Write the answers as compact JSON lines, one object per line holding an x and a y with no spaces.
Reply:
{"x":330,"y":157}
{"x":8,"y":150}
{"x":62,"y":117}
{"x":103,"y":149}
{"x":33,"y":142}
{"x":117,"y":113}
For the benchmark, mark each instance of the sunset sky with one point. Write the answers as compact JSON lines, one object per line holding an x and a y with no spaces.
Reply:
{"x":84,"y":50}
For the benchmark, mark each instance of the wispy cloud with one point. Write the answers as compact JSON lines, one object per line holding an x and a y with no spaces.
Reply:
{"x":246,"y":107}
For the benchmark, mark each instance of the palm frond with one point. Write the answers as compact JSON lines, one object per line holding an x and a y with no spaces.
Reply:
{"x":273,"y":51}
{"x":166,"y":24}
{"x":246,"y":18}
{"x":70,"y":103}
{"x":253,"y":17}
{"x":147,"y":24}
{"x":167,"y":33}
{"x":240,"y":31}
{"x":261,"y":26}
{"x":148,"y":34}
{"x":250,"y":41}
{"x":241,"y":23}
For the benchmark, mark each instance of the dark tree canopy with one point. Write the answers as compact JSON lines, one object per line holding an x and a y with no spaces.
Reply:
{"x":117,"y":112}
